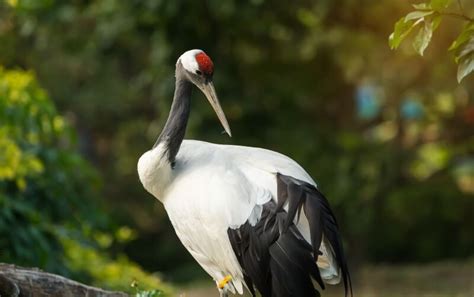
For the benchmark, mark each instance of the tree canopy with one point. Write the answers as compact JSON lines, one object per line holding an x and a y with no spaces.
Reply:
{"x":427,"y":17}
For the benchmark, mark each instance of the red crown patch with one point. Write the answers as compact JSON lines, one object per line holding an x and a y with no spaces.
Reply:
{"x":205,"y":63}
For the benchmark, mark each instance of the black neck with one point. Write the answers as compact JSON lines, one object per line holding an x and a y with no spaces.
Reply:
{"x":175,"y":127}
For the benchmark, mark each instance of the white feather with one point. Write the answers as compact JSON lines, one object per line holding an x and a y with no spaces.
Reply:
{"x":216,"y":187}
{"x":188,"y":60}
{"x":154,"y":171}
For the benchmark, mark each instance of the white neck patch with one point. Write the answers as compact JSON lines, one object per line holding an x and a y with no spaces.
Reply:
{"x":188,"y":60}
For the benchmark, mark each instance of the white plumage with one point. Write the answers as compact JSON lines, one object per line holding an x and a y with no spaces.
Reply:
{"x":216,"y":187}
{"x":223,"y":202}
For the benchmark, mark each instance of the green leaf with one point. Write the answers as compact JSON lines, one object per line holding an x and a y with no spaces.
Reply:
{"x":463,"y":37}
{"x":465,"y":60}
{"x":421,"y":6}
{"x":465,"y":67}
{"x":467,"y":49}
{"x":423,"y":38}
{"x":406,"y":24}
{"x":401,"y":31}
{"x":414,"y":15}
{"x":440,"y":4}
{"x":436,"y":21}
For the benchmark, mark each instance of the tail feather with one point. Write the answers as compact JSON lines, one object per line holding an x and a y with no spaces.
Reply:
{"x":274,"y":255}
{"x":322,"y":222}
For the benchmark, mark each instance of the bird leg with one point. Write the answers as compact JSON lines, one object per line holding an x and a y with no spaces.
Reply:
{"x":221,"y":285}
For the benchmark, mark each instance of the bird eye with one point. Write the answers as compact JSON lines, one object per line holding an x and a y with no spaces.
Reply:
{"x":198,"y":72}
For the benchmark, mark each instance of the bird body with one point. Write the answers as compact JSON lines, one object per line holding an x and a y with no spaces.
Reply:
{"x":238,"y":210}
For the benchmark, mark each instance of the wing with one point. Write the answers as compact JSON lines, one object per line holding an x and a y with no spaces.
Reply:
{"x":296,"y":238}
{"x":209,"y":195}
{"x":278,"y":226}
{"x":324,"y":230}
{"x":276,"y":259}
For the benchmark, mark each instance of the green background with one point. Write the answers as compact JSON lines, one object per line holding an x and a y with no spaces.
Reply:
{"x":85,"y":87}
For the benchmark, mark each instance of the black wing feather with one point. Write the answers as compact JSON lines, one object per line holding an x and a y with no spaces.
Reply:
{"x":273,"y":254}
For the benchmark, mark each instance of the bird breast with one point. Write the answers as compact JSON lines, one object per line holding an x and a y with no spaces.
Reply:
{"x":154,"y":171}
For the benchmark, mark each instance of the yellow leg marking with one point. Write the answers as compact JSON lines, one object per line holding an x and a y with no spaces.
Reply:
{"x":224,"y":281}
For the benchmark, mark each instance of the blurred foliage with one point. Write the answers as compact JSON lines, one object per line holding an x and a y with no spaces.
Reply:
{"x":49,"y":215}
{"x":145,"y":293}
{"x":428,"y":16}
{"x":42,"y":180}
{"x":388,"y":136}
{"x":119,"y":274}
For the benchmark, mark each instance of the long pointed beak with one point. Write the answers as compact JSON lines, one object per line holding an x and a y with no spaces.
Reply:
{"x":210,"y":92}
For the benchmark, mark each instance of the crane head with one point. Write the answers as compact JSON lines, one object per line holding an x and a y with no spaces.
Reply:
{"x":198,"y":69}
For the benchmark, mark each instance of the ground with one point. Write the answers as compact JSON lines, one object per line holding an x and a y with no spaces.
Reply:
{"x":445,"y":279}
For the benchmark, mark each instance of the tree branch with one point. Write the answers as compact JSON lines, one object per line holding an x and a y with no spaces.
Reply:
{"x":457,"y":15}
{"x":461,"y":16}
{"x":461,"y":7}
{"x":17,"y":281}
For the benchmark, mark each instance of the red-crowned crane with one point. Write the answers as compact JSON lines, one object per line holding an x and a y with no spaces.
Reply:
{"x":249,"y":216}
